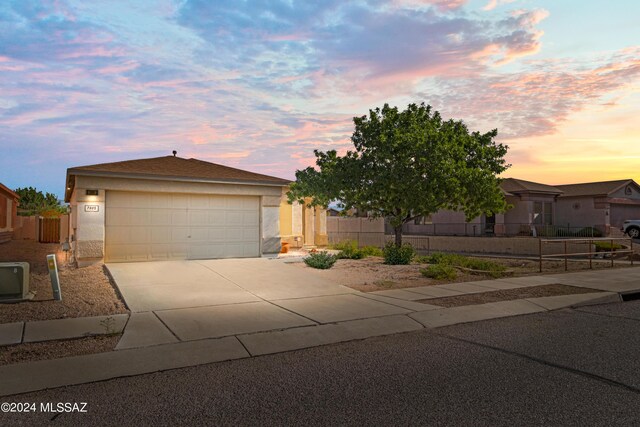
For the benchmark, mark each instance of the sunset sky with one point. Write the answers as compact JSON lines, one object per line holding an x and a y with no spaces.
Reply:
{"x":261,"y":84}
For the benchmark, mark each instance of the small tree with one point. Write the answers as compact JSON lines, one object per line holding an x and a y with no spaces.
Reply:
{"x":34,"y":202}
{"x":408,"y":164}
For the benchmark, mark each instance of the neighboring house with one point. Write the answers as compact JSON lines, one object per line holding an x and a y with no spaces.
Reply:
{"x":173,"y":208}
{"x":8,"y":213}
{"x":606,"y":204}
{"x":541,"y":209}
{"x":333,"y":212}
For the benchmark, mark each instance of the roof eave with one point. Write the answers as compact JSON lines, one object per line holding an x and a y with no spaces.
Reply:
{"x":79,"y":172}
{"x":9,"y":191}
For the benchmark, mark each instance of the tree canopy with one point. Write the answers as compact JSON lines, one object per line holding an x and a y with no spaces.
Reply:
{"x":408,"y":164}
{"x":34,"y":202}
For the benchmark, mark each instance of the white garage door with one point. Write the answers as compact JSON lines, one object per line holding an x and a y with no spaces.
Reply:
{"x":159,"y":226}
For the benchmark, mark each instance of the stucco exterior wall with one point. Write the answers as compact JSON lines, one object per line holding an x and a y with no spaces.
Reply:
{"x":500,"y":245}
{"x":286,"y":218}
{"x":123,"y":184}
{"x":26,"y":228}
{"x":8,"y":214}
{"x":623,"y":192}
{"x":354,"y":225}
{"x":581,"y":212}
{"x":320,"y":227}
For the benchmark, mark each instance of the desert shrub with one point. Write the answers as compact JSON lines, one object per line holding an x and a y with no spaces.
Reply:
{"x":450,"y":259}
{"x":492,"y":268}
{"x":422,"y":259}
{"x":345,"y":245}
{"x":439,"y":272}
{"x":606,"y":246}
{"x":394,"y":255}
{"x":321,"y":260}
{"x":349,"y":250}
{"x":371,"y":251}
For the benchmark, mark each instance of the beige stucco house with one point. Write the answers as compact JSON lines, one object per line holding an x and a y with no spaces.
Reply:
{"x":541,"y":209}
{"x":8,"y":213}
{"x":606,"y":204}
{"x":174,"y":208}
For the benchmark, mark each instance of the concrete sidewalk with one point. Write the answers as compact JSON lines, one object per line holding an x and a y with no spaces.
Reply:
{"x":166,"y":339}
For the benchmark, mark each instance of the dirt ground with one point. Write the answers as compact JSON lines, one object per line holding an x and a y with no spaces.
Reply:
{"x":56,"y":349}
{"x":508,"y":295}
{"x":85,"y":291}
{"x":371,"y":274}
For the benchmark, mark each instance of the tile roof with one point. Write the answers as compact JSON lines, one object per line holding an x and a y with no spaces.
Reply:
{"x":602,"y":188}
{"x":513,"y":185}
{"x":177,"y":167}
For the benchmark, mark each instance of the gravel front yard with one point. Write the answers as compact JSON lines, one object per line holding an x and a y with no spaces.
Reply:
{"x":85,"y":291}
{"x":371,"y":274}
{"x":55,"y":349}
{"x":508,"y":295}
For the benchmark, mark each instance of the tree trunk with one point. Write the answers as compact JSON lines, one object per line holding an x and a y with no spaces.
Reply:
{"x":398,"y":233}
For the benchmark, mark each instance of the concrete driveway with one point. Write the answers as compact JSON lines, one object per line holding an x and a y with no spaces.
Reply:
{"x":189,"y":300}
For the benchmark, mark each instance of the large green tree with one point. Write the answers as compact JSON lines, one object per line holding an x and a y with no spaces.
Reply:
{"x":408,"y":164}
{"x":35,"y":202}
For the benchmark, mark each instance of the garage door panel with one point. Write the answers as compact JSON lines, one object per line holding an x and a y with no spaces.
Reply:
{"x":159,"y":201}
{"x":199,"y":234}
{"x":139,"y":217}
{"x":200,"y":217}
{"x":251,"y":203}
{"x":216,"y":218}
{"x":159,"y":235}
{"x":179,"y":234}
{"x":154,"y":226}
{"x":199,"y":202}
{"x":251,"y":218}
{"x":160,"y":217}
{"x":249,"y":234}
{"x":233,"y":218}
{"x":178,"y":201}
{"x":233,"y":234}
{"x":179,"y":251}
{"x":216,"y":234}
{"x":179,"y":217}
{"x":160,"y":252}
{"x":116,"y":217}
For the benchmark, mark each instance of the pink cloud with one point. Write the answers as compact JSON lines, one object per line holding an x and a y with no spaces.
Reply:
{"x":536,"y":102}
{"x":492,"y":4}
{"x":441,"y":5}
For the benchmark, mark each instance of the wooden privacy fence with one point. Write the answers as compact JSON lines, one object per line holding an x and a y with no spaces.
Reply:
{"x":49,"y":230}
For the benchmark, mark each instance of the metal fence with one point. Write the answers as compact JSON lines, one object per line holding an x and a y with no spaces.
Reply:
{"x":503,"y":229}
{"x":612,"y":246}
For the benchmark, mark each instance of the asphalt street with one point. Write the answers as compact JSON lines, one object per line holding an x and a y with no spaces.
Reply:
{"x":568,"y":367}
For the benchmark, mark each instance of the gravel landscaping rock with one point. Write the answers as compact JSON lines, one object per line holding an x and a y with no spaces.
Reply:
{"x":508,"y":295}
{"x":85,"y":291}
{"x":371,"y":274}
{"x":55,"y":349}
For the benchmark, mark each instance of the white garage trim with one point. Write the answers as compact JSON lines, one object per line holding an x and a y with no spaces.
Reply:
{"x":148,"y":226}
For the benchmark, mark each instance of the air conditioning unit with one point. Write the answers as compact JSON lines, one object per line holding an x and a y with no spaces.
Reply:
{"x":14,"y":281}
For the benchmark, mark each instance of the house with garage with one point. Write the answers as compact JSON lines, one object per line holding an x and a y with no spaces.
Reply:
{"x":167,"y":208}
{"x":8,"y":213}
{"x":605,"y":204}
{"x":538,"y":209}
